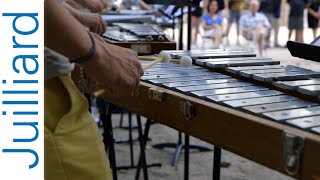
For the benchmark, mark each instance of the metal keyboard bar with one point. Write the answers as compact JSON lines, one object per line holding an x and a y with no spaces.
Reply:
{"x":250,"y":73}
{"x":213,"y":86}
{"x":285,"y":76}
{"x":306,"y":122}
{"x":246,"y":95}
{"x":173,"y":75}
{"x":223,"y":64}
{"x":200,"y":82}
{"x":260,"y":100}
{"x":317,"y":130}
{"x":236,"y":70}
{"x":311,"y":90}
{"x":205,"y":61}
{"x":184,"y":79}
{"x":257,"y":109}
{"x":228,"y":91}
{"x":293,"y":85}
{"x":293,"y":113}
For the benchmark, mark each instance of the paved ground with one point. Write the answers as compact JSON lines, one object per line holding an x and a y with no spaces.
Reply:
{"x":201,"y":163}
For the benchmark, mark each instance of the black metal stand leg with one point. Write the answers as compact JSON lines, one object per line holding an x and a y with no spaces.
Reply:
{"x":186,"y":156}
{"x":121,"y":120}
{"x":144,"y":140}
{"x":216,"y":163}
{"x":108,"y":137}
{"x":130,"y":140}
{"x":121,"y":126}
{"x":179,"y":147}
{"x":142,"y":159}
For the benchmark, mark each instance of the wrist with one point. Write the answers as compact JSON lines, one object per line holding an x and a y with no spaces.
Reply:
{"x":90,"y":53}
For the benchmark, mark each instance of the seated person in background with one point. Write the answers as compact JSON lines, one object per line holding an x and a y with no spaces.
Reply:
{"x":254,"y":25}
{"x":212,"y":24}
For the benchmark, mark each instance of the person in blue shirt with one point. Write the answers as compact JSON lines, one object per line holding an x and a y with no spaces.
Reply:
{"x":212,"y":24}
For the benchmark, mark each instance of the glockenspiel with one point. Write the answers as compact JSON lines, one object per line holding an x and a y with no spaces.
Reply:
{"x":252,"y":106}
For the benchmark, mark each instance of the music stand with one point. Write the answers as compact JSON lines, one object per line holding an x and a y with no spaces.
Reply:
{"x":305,"y":51}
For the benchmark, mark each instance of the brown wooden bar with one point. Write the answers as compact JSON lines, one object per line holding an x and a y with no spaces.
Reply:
{"x":252,"y":137}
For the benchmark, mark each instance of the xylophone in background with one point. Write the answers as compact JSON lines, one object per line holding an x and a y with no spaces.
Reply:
{"x":238,"y":102}
{"x":145,"y":39}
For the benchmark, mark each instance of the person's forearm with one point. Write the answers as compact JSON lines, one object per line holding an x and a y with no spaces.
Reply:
{"x":205,"y":26}
{"x":226,"y":4}
{"x":313,"y":13}
{"x":144,"y":6}
{"x":63,"y":33}
{"x":74,"y":12}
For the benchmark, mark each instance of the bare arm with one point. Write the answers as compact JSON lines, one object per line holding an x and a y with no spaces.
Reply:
{"x":60,"y":26}
{"x":91,"y":20}
{"x":144,"y":6}
{"x":226,"y":4}
{"x":117,"y":68}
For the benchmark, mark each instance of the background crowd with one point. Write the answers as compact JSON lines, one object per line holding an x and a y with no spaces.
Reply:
{"x":255,"y":21}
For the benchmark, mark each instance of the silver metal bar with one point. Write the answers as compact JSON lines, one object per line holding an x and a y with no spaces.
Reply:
{"x":228,"y":91}
{"x":306,"y":122}
{"x":311,"y":90}
{"x":204,"y":61}
{"x":250,"y":73}
{"x":293,"y":85}
{"x":317,"y":130}
{"x":287,"y":76}
{"x":293,"y":113}
{"x":224,"y":64}
{"x":279,"y":106}
{"x":260,"y":100}
{"x":151,"y":73}
{"x":235,"y":70}
{"x":200,"y":82}
{"x":174,"y":75}
{"x":246,"y":95}
{"x":184,"y":79}
{"x":213,"y":86}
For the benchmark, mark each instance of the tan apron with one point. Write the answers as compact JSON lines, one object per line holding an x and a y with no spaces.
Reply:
{"x":73,"y":144}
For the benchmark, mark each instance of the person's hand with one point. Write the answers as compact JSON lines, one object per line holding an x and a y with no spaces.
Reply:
{"x":93,"y":22}
{"x":94,"y":6}
{"x":117,"y":68}
{"x":215,"y":26}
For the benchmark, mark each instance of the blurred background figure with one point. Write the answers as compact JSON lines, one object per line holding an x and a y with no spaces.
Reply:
{"x":212,"y":24}
{"x":296,"y":18}
{"x":313,"y":17}
{"x":271,"y":8}
{"x":235,"y":9}
{"x":195,"y":22}
{"x":254,"y":25}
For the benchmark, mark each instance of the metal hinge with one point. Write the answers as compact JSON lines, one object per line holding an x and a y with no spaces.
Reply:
{"x":293,"y":151}
{"x":155,"y":94}
{"x":187,"y":109}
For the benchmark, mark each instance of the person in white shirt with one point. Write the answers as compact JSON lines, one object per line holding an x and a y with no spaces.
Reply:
{"x":254,"y":25}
